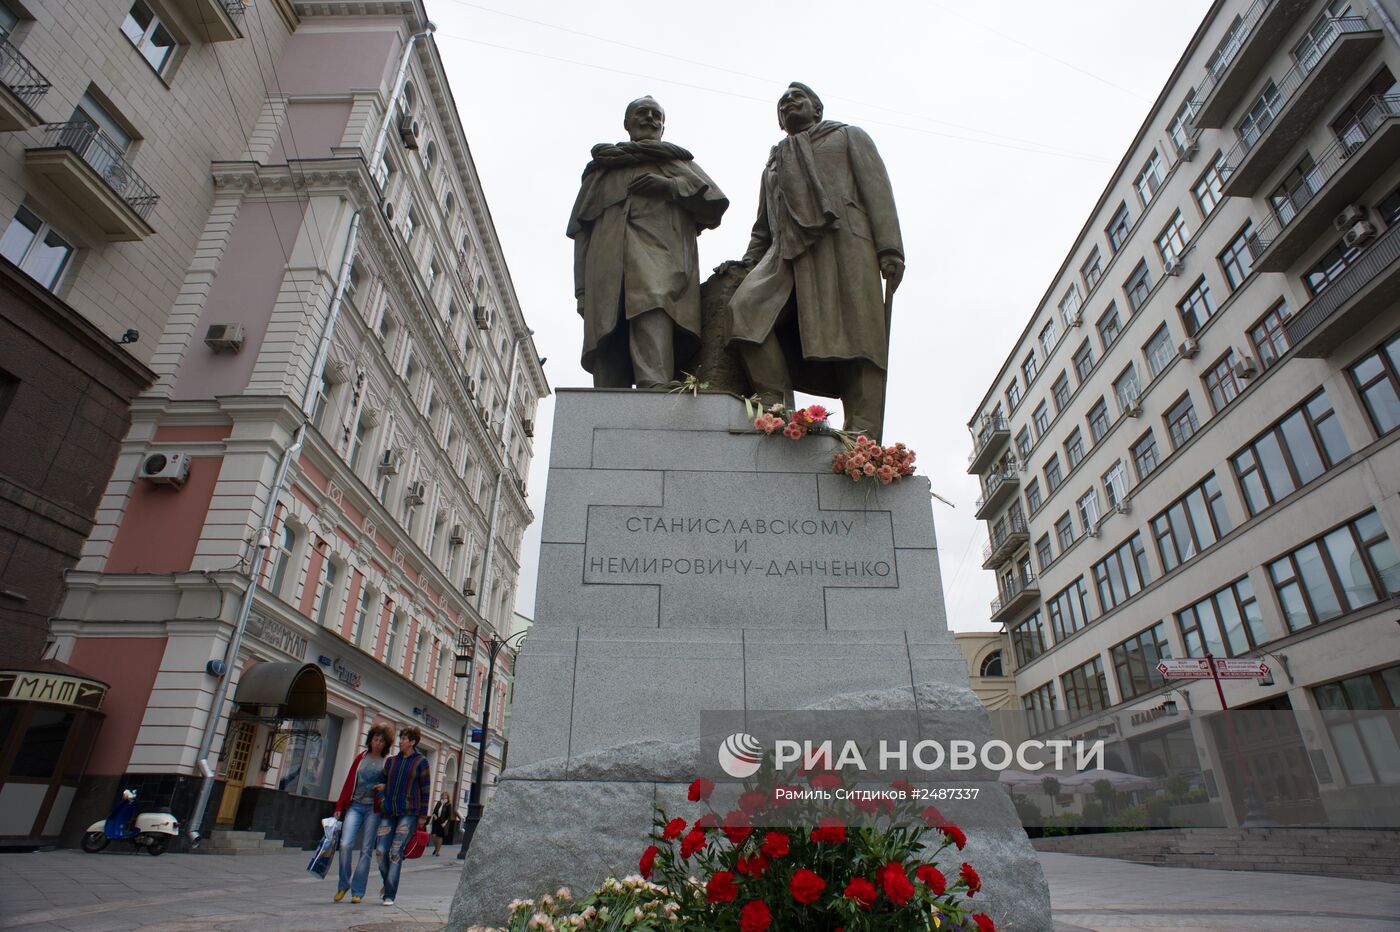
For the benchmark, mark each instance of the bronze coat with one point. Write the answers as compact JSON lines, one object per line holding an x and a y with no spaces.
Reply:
{"x":634,"y":254}
{"x":840,"y":313}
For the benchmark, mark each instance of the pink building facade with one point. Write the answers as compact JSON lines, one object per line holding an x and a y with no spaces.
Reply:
{"x":396,"y":532}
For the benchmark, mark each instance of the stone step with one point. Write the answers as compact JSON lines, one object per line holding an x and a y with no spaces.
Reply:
{"x":242,"y":852}
{"x":237,"y":839}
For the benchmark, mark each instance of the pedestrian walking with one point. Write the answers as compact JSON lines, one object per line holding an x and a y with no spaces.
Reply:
{"x":444,"y":817}
{"x":403,"y":797}
{"x":356,"y":806}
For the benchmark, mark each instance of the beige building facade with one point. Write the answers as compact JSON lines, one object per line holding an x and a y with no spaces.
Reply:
{"x":1191,"y":448}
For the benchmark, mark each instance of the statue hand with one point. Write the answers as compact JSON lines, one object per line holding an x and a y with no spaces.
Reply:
{"x":580,"y":306}
{"x":892,"y":270}
{"x":652,"y":185}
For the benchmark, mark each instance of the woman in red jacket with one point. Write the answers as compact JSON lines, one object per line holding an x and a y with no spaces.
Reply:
{"x":356,"y":807}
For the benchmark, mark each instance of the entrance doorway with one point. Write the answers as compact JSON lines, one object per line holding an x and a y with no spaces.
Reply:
{"x":240,"y":752}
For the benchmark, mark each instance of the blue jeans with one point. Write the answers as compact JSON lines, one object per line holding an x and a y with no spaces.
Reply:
{"x":357,"y":834}
{"x":394,"y":833}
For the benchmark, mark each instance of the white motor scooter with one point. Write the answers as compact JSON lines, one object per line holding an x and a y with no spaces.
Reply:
{"x":149,"y":830}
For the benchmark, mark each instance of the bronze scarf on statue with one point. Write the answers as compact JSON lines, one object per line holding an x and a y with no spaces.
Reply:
{"x":805,"y":213}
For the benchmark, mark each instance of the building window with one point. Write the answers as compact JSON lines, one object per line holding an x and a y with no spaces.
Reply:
{"x":1069,"y":610}
{"x":1084,"y":360}
{"x":149,"y":35}
{"x":1044,"y":552}
{"x":1074,"y":448}
{"x":1388,"y":208}
{"x":1048,"y":337}
{"x":1159,"y":351}
{"x":992,"y":665}
{"x":1053,"y":476}
{"x":330,"y":576}
{"x":1237,"y":261}
{"x":1138,"y":286}
{"x":1030,"y":367}
{"x":1260,"y":116}
{"x":40,"y":252}
{"x":1033,"y":499}
{"x":1088,"y":505}
{"x":391,"y":639}
{"x":1028,"y":640}
{"x":1135,"y":661}
{"x":1064,"y":532}
{"x":1330,"y":267}
{"x":1295,"y":450}
{"x":1320,"y":35}
{"x":281,"y":560}
{"x":1023,"y":443}
{"x":1377,"y":379}
{"x":1086,"y":690}
{"x":1225,"y":623}
{"x":1366,"y":745}
{"x":417,"y":657}
{"x":1191,"y":524}
{"x":1269,"y":336}
{"x":1115,"y":483}
{"x":1145,"y":456}
{"x":1060,"y":390}
{"x":410,"y":223}
{"x":1041,"y":417}
{"x":1228,"y":48}
{"x":1013,"y":395}
{"x":1171,"y":242}
{"x":1176,"y":129}
{"x":1069,"y":307}
{"x":1126,"y":388}
{"x":1347,"y":568}
{"x":363,"y":608}
{"x":1196,"y":307}
{"x":1119,"y":227}
{"x":1109,"y":327}
{"x":1210,"y":187}
{"x":1220,"y":382}
{"x":1181,"y":421}
{"x":1150,"y":179}
{"x":1092,"y":269}
{"x":1296,"y":190}
{"x":1122,"y":574}
{"x":1041,"y":706}
{"x":1098,"y":420}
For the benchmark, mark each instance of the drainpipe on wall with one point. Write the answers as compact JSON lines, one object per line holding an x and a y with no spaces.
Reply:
{"x":500,"y":477}
{"x":1386,"y":21}
{"x":399,"y":78}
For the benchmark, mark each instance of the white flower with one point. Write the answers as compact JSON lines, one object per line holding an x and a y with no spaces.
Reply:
{"x":563,"y":893}
{"x":542,"y":922}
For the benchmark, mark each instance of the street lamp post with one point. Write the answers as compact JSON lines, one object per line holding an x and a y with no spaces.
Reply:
{"x":474,"y":807}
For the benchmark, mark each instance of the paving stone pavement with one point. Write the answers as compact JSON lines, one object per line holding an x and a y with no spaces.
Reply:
{"x":69,"y":891}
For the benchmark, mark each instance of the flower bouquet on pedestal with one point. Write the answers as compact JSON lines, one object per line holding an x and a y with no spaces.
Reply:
{"x":860,"y":457}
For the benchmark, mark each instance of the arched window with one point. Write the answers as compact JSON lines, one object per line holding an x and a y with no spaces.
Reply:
{"x":991,"y":664}
{"x":448,"y":203}
{"x":429,"y":155}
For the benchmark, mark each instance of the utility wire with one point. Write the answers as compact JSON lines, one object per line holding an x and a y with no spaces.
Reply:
{"x":756,"y":77}
{"x":1081,"y":157}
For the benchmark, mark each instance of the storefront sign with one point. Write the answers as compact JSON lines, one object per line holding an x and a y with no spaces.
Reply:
{"x":52,"y":687}
{"x":277,"y":635}
{"x":340,"y":670}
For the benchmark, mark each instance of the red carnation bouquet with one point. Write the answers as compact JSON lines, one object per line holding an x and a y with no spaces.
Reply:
{"x":851,"y":866}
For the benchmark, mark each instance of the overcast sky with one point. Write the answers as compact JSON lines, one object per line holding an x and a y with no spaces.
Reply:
{"x":1000,"y":127}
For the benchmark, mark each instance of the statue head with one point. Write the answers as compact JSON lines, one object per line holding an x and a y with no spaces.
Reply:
{"x":644,"y":119}
{"x":798,"y":108}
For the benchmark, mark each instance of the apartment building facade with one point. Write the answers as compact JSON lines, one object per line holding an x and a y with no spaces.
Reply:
{"x":1191,"y":450}
{"x":342,"y":410}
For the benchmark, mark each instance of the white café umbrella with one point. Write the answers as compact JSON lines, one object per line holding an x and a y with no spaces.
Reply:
{"x":1084,"y":782}
{"x":1019,"y":780}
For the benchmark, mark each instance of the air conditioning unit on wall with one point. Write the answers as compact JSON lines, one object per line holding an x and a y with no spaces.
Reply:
{"x":224,"y":338}
{"x":1188,"y":348}
{"x":166,"y":468}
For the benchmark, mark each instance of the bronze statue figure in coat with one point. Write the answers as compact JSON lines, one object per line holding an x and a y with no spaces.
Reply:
{"x":640,"y":207}
{"x":812,"y":314}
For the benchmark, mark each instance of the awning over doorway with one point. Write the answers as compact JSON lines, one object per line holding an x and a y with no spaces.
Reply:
{"x":282,"y":690}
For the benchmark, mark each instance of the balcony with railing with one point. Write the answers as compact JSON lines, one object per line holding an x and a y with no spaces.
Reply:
{"x":1369,"y":287}
{"x":1340,"y":175}
{"x":21,"y":89}
{"x":217,"y":20}
{"x":1022,"y":593}
{"x":1262,"y":29}
{"x":1338,"y":49}
{"x":988,"y":437}
{"x":1004,"y":541}
{"x":999,"y":489}
{"x":92,"y":172}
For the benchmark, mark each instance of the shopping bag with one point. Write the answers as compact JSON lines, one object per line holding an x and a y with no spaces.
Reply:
{"x":325,"y":850}
{"x":416,"y":845}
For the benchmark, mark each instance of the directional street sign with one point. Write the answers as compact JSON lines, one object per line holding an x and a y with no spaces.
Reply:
{"x":1198,"y":668}
{"x":1190,"y":668}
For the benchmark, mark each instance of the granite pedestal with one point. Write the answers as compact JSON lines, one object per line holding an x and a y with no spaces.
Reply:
{"x":690,"y":564}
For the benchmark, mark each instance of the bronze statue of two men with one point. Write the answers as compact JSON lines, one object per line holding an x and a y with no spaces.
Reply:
{"x":824,"y":259}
